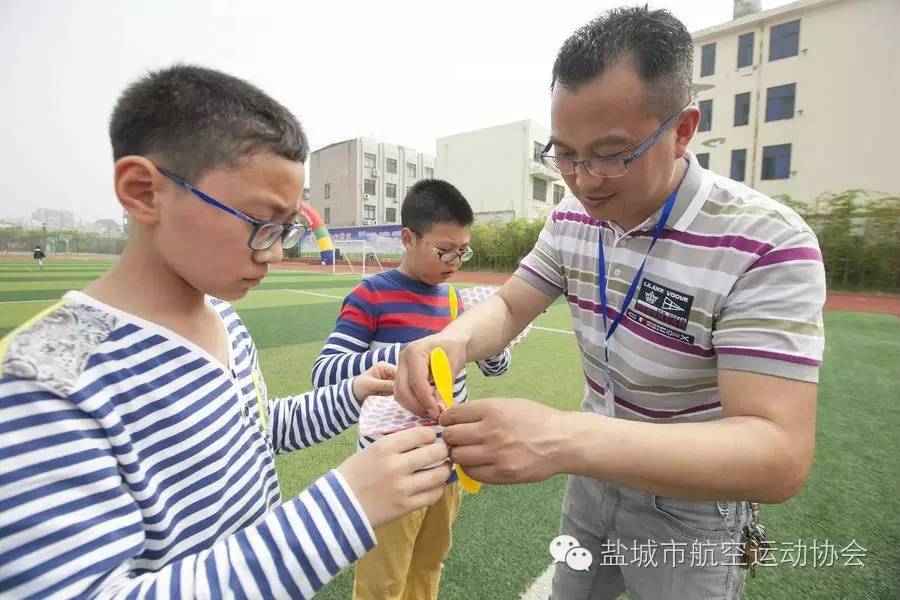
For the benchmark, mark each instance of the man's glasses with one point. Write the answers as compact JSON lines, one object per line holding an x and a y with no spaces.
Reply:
{"x":615,"y":166}
{"x":264,"y":234}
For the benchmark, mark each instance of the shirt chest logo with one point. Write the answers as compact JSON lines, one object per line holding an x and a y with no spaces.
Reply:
{"x":664,"y":304}
{"x":262,"y":404}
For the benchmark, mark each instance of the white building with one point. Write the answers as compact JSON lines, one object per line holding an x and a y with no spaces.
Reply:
{"x":54,"y":219}
{"x":362,"y":182}
{"x":499,"y":171}
{"x":802,"y":99}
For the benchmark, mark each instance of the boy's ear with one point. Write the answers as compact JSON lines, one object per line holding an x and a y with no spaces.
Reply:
{"x":407,"y":236}
{"x":138,"y":186}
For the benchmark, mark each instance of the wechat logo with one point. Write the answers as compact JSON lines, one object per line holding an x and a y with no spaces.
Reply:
{"x":566,"y":549}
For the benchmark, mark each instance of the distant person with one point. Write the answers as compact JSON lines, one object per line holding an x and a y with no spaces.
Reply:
{"x":39,"y":256}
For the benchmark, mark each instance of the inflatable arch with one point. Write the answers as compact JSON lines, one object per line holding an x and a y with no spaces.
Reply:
{"x":323,"y":238}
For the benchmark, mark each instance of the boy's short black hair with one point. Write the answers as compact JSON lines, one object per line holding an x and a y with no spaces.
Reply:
{"x":195,"y":119}
{"x":433,"y":201}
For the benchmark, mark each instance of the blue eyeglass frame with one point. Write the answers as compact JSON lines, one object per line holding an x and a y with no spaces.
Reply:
{"x":257,"y":225}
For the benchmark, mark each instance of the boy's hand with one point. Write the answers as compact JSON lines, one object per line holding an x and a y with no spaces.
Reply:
{"x":377,"y":381}
{"x":387,"y":478}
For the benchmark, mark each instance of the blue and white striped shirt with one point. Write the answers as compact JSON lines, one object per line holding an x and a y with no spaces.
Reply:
{"x":132,"y":464}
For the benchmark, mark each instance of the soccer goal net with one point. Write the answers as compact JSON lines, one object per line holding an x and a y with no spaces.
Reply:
{"x":355,"y":257}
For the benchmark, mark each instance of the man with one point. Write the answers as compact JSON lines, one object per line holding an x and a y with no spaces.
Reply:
{"x":696,"y":303}
{"x":39,"y":256}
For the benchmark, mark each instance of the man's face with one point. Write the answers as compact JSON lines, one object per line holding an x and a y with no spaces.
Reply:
{"x":607,"y":117}
{"x":206,"y":246}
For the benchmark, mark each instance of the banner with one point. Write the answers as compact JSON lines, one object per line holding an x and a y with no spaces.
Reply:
{"x":384,"y":240}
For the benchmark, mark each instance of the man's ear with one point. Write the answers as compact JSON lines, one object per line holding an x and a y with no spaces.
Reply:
{"x":685,"y":130}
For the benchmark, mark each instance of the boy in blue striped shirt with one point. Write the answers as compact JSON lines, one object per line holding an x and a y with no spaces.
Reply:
{"x":137,"y":439}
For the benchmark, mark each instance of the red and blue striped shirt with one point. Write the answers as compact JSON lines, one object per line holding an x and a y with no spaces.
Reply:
{"x":379,"y":317}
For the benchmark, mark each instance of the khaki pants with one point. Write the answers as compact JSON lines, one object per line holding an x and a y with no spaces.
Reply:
{"x":408,"y":560}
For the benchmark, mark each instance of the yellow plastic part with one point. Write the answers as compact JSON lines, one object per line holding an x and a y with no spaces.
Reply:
{"x":443,"y":381}
{"x":442,"y":375}
{"x":454,"y":303}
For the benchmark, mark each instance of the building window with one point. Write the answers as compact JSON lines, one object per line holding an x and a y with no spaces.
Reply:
{"x":429,"y":173}
{"x":368,"y":212}
{"x":390,"y":165}
{"x":327,"y":191}
{"x":390,"y":215}
{"x":369,"y":160}
{"x":539,"y":189}
{"x":707,"y":59}
{"x":738,"y":164}
{"x":780,"y":102}
{"x":369,"y":186}
{"x":558,"y":193}
{"x":411,"y":170}
{"x":784,"y":40}
{"x":776,"y":162}
{"x":703,"y":159}
{"x":741,"y":109}
{"x":705,"y":115}
{"x":745,"y":50}
{"x":538,"y":148}
{"x":390,"y":190}
{"x":327,"y":216}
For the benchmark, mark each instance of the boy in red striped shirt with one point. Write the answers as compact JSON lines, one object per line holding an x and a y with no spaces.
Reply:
{"x":380,"y":316}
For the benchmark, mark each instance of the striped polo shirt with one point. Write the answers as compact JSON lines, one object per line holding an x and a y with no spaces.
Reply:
{"x":134,"y":464}
{"x":379,"y":317}
{"x":735,"y":281}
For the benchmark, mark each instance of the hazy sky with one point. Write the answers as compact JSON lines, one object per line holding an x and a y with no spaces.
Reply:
{"x":404,"y":71}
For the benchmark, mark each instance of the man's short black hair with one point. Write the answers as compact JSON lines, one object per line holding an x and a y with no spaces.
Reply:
{"x":658,"y":45}
{"x":196,"y":119}
{"x":433,"y":201}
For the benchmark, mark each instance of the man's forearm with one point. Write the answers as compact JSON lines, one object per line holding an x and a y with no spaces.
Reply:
{"x":736,"y":458}
{"x":487,"y":328}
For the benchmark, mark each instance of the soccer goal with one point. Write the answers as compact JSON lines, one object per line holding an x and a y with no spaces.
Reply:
{"x":355,"y":257}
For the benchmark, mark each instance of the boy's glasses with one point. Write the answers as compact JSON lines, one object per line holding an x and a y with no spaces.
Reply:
{"x":448,"y":257}
{"x":264,"y":234}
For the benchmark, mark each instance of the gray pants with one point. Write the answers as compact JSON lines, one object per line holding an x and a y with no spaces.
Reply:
{"x":654,"y":547}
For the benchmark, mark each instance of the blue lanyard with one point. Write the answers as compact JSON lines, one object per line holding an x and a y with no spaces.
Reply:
{"x":601,"y":269}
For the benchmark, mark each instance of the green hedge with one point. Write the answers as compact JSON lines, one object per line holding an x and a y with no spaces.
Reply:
{"x":500,"y":246}
{"x":859,"y":233}
{"x":19,"y":239}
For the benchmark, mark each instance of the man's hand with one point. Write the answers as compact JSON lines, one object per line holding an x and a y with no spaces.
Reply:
{"x":762,"y":449}
{"x":377,"y":381}
{"x":413,"y":389}
{"x":505,"y":440}
{"x":387,"y":477}
{"x":482,"y":331}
